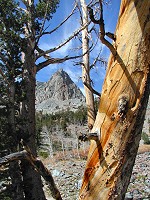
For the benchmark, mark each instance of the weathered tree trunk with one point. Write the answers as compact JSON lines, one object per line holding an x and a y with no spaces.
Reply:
{"x":86,"y":69}
{"x":31,"y":178}
{"x":122,"y":108}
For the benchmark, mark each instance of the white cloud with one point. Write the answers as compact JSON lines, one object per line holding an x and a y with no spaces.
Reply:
{"x":63,"y":51}
{"x":74,"y":72}
{"x":45,"y":46}
{"x":62,"y":33}
{"x":60,"y":36}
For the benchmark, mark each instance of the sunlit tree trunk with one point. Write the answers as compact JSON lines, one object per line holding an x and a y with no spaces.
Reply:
{"x":86,"y":68}
{"x":122,"y":108}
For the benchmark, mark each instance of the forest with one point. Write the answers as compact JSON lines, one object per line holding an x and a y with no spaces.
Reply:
{"x":113,"y":125}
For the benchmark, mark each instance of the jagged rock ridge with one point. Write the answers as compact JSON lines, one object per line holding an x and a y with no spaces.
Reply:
{"x":59,"y":93}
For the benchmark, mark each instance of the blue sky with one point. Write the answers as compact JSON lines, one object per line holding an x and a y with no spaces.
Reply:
{"x":65,"y":7}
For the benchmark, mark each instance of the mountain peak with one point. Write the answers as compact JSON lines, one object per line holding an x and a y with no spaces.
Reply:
{"x":59,"y":90}
{"x":61,"y":70}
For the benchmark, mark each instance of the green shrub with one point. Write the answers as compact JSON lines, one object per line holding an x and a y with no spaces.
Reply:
{"x":145,"y":138}
{"x":43,"y":154}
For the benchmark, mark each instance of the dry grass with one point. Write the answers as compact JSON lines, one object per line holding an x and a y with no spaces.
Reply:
{"x":81,"y":154}
{"x":67,"y":155}
{"x":144,"y":148}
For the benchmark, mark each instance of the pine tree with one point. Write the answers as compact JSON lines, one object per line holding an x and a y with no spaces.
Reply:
{"x":21,"y":27}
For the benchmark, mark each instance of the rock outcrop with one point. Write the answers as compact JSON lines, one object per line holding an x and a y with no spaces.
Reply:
{"x":68,"y":177}
{"x":59,"y":93}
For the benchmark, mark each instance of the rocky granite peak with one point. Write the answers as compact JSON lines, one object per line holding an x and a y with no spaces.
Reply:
{"x":59,"y":93}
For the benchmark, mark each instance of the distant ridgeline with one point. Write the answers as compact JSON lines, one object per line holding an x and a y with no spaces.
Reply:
{"x":59,"y":93}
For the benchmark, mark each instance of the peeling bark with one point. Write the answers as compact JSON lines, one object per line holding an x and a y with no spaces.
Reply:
{"x":111,"y":159}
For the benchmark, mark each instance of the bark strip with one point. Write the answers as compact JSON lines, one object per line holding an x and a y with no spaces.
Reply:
{"x":37,"y":165}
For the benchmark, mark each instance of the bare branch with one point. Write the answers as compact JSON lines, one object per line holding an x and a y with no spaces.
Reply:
{"x":91,"y":4}
{"x":80,"y":12}
{"x":91,"y":29}
{"x":13,"y":157}
{"x":37,"y":164}
{"x":91,"y":89}
{"x":43,"y":23}
{"x":102,"y":28}
{"x":50,"y":32}
{"x":95,"y":61}
{"x":91,"y":14}
{"x":98,"y":59}
{"x":102,"y":32}
{"x":65,"y":42}
{"x":111,"y":36}
{"x":88,"y":137}
{"x":46,"y":56}
{"x":57,"y":60}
